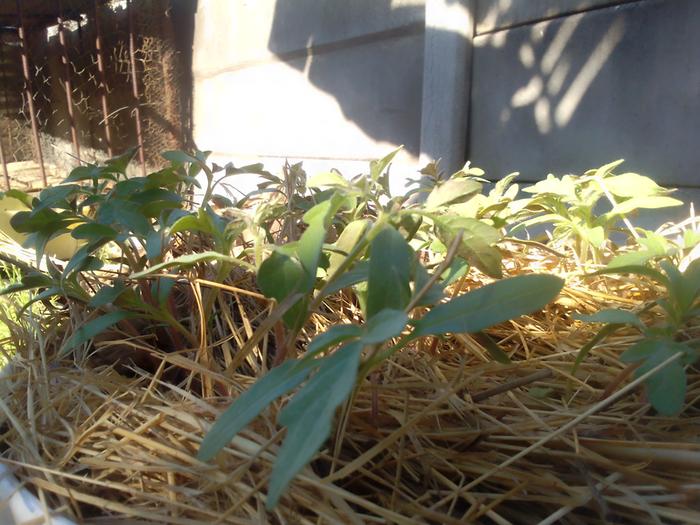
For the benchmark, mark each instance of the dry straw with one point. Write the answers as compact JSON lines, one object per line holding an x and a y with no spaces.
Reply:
{"x":439,"y":434}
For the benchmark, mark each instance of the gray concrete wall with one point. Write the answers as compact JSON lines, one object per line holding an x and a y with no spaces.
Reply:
{"x":534,"y":86}
{"x":575,"y":91}
{"x":334,"y":83}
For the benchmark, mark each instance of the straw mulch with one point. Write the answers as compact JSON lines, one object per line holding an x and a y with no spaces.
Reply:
{"x":440,"y":434}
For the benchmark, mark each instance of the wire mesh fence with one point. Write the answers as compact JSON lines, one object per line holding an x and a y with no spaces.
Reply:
{"x":100,"y":77}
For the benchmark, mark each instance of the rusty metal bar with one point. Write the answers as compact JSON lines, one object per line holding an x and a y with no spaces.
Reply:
{"x":21,"y":31}
{"x":103,"y":79}
{"x":67,"y":83}
{"x":5,"y":173}
{"x":135,"y":85}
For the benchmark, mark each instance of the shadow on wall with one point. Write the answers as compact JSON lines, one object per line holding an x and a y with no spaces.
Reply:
{"x":538,"y":79}
{"x":578,"y":91}
{"x":367,"y":54}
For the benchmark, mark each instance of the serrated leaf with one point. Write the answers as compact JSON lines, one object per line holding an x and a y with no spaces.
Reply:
{"x":276,"y":383}
{"x":309,"y":416}
{"x":489,"y":305}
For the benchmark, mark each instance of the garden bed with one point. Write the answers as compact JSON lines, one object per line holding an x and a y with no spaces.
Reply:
{"x":438,"y":432}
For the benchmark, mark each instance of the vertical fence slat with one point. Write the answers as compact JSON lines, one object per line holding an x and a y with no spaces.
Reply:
{"x":21,"y":30}
{"x":67,"y":82}
{"x":3,"y":159}
{"x":135,"y":85}
{"x":103,"y":79}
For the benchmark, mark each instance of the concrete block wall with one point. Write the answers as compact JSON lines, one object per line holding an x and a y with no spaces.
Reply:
{"x":332,"y":83}
{"x":534,"y":86}
{"x":563,"y":86}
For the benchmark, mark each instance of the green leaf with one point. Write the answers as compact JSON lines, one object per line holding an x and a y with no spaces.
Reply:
{"x":161,"y":289}
{"x":636,"y":258}
{"x":450,"y":191}
{"x":309,"y":415}
{"x":279,"y":277}
{"x":641,"y":350}
{"x":632,"y":185}
{"x":328,"y":179}
{"x":377,"y":167}
{"x":179,"y":157}
{"x":585,"y":349}
{"x":311,"y":241}
{"x":389,"y":272}
{"x":611,"y":315}
{"x":55,"y":195}
{"x":119,"y":163}
{"x":606,"y":169}
{"x":29,"y":282}
{"x":635,"y":269}
{"x":384,"y":325}
{"x":42,"y":296}
{"x":154,"y":245}
{"x":633,"y":204}
{"x":107,"y":294}
{"x":335,"y":335}
{"x":190,"y":260}
{"x":421,"y":277}
{"x":276,"y":383}
{"x":93,"y":231}
{"x":193,"y":223}
{"x":489,"y":305}
{"x":666,"y":388}
{"x":21,"y":196}
{"x":93,"y":328}
{"x":124,"y":213}
{"x":475,"y":247}
{"x":348,"y":239}
{"x":358,"y":274}
{"x":594,"y":236}
{"x":89,"y":172}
